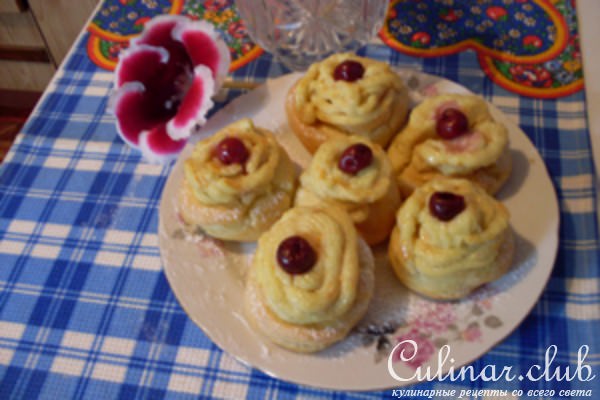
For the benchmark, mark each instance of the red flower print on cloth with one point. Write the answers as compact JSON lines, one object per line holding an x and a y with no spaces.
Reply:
{"x":217,"y":5}
{"x":237,"y":29}
{"x":531,"y":75}
{"x":164,"y":83}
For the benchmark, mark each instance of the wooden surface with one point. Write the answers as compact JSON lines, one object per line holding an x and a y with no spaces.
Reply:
{"x":15,"y":107}
{"x":19,"y":30}
{"x":589,"y":31}
{"x":12,"y":6}
{"x":9,"y":129}
{"x":24,"y":60}
{"x":33,"y":43}
{"x":21,"y":75}
{"x":60,"y":22}
{"x":23,"y":53}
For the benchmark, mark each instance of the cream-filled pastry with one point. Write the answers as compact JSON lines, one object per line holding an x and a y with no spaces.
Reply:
{"x":347,"y":95}
{"x":311,"y":279}
{"x":355,"y":174}
{"x":451,"y":135}
{"x":450,"y":237}
{"x":237,"y":183}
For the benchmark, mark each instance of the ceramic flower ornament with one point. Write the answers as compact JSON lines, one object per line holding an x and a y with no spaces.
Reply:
{"x":164,"y":83}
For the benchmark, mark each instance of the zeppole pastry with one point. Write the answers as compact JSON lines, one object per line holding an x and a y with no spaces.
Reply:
{"x":237,"y":183}
{"x":311,"y":279}
{"x":347,"y":95}
{"x":450,"y":237}
{"x":451,"y":135}
{"x":355,"y":174}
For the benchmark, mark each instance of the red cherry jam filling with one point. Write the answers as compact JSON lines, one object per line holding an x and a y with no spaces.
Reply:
{"x":451,"y":123}
{"x":348,"y":71}
{"x":445,"y":205}
{"x":296,"y":256}
{"x":231,"y":150}
{"x":355,"y":158}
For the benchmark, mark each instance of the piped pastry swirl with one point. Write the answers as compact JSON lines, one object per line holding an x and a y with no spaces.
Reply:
{"x":355,"y":174}
{"x":237,"y":182}
{"x":455,"y":136}
{"x":324,"y":103}
{"x":450,"y":237}
{"x":310,"y":310}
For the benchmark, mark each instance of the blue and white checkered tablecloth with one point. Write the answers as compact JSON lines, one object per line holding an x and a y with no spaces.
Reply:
{"x":87,"y":313}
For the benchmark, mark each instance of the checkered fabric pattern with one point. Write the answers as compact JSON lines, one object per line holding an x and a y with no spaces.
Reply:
{"x":86,"y":311}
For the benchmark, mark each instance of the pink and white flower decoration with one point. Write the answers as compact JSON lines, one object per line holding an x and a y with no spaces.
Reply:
{"x":164,"y":83}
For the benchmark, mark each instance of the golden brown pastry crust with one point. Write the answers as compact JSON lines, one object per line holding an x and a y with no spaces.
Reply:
{"x":418,"y":154}
{"x":234,"y":202}
{"x":311,"y":311}
{"x":448,"y":260}
{"x":371,"y":197}
{"x":319,"y":107}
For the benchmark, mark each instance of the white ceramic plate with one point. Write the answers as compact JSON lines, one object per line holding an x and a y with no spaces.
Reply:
{"x":207,"y":276}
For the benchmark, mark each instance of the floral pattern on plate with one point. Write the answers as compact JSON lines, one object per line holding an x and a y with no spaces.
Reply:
{"x":438,"y":324}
